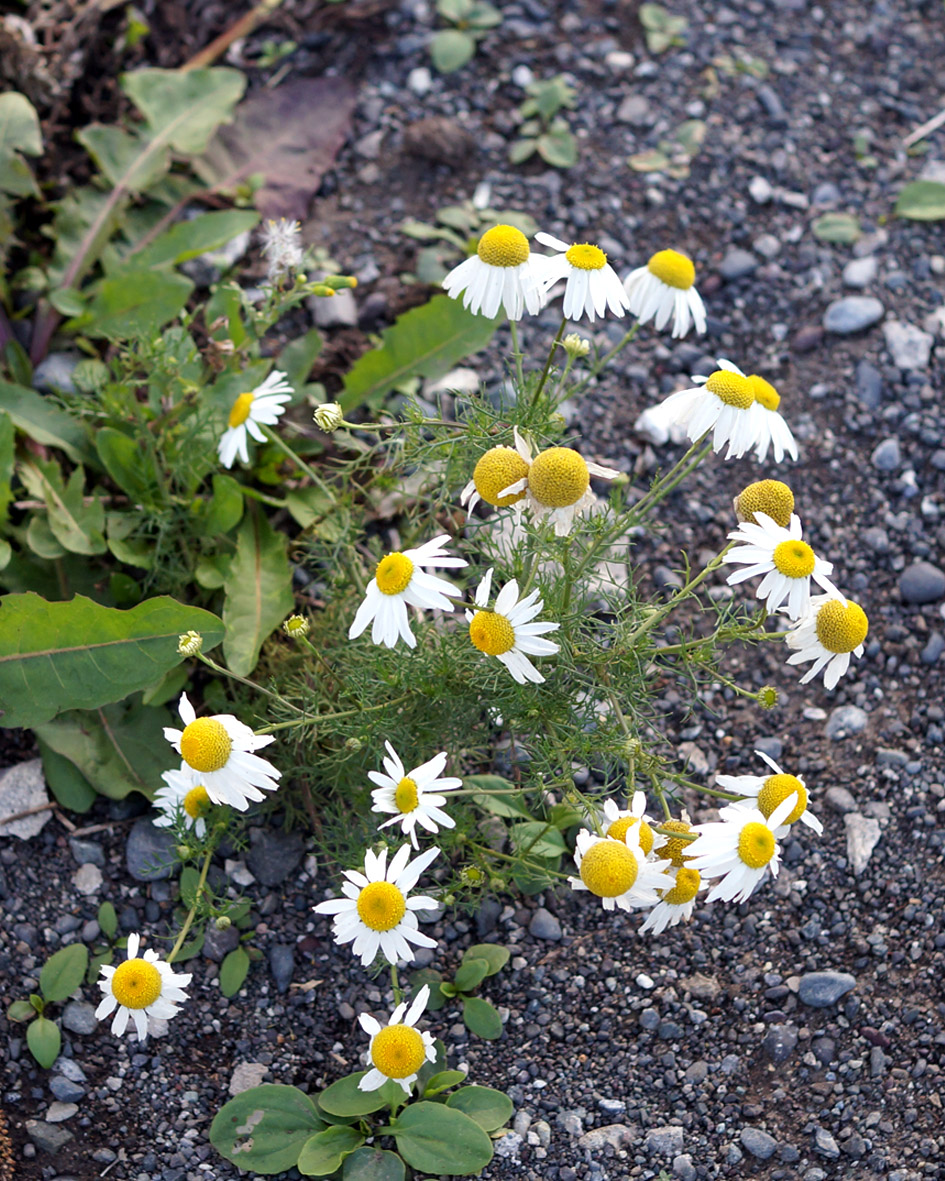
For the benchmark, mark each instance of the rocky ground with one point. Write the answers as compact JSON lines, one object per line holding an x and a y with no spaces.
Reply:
{"x":798,"y":1036}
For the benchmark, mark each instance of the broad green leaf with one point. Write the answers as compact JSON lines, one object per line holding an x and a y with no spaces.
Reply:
{"x":43,"y":421}
{"x":522,"y":149}
{"x":690,"y":135}
{"x":18,"y":361}
{"x":79,"y":655}
{"x":6,"y":553}
{"x":922,"y":200}
{"x":324,"y":1152}
{"x":263,"y":1129}
{"x":258,"y":591}
{"x":455,"y":10}
{"x":108,"y":920}
{"x":558,"y":147}
{"x":498,"y":795}
{"x":373,"y":1164}
{"x":85,"y":220}
{"x":44,"y":1040}
{"x":63,"y":972}
{"x":188,"y":239}
{"x":77,"y":526}
{"x":184,"y":109}
{"x":425,"y":342}
{"x":429,"y":1069}
{"x":125,"y":157}
{"x":836,"y":227}
{"x":481,"y":1018}
{"x":67,"y":783}
{"x":343,"y":1097}
{"x":433,"y":978}
{"x":435,"y":1138}
{"x":7,"y":433}
{"x":129,"y":463}
{"x":225,"y":507}
{"x":451,"y":49}
{"x":537,"y":839}
{"x":19,"y":133}
{"x":298,"y":357}
{"x":189,"y":881}
{"x":40,"y":539}
{"x":470,"y":974}
{"x":442,"y":1081}
{"x":167,"y":688}
{"x":20,"y":1011}
{"x":233,"y":971}
{"x":495,"y":955}
{"x":135,"y":303}
{"x":488,"y":1107}
{"x":484,"y":16}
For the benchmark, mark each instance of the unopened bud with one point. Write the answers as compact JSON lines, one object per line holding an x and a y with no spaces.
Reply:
{"x":223,"y":923}
{"x":472,"y":875}
{"x":329,"y":417}
{"x":184,"y":852}
{"x":768,"y":697}
{"x":353,"y":745}
{"x":296,"y":626}
{"x":190,"y":643}
{"x":576,"y":346}
{"x":321,"y":289}
{"x":340,"y":282}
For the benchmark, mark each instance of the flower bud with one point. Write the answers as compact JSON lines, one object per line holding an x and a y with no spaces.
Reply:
{"x":576,"y":346}
{"x":184,"y":852}
{"x":768,"y":697}
{"x":190,"y":643}
{"x":340,"y":282}
{"x":223,"y":923}
{"x":296,"y":626}
{"x":329,"y":417}
{"x":353,"y":745}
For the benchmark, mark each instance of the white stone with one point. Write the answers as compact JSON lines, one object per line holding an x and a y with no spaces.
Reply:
{"x":237,"y":872}
{"x":246,"y":1075}
{"x":909,"y":346}
{"x":22,"y":787}
{"x":860,"y":272}
{"x":87,"y":879}
{"x":60,"y":1111}
{"x":419,"y":80}
{"x":863,"y":834}
{"x":457,"y":381}
{"x":760,"y":190}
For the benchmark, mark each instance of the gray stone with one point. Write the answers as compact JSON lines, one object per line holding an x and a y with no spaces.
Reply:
{"x":770,"y":746}
{"x":773,"y":106}
{"x":933,"y":648}
{"x":869,"y":384}
{"x":820,"y":990}
{"x":909,"y":346}
{"x":273,"y":855}
{"x":844,"y":721}
{"x":246,"y":1075}
{"x":544,"y":925}
{"x":767,"y":245}
{"x":334,"y":311}
{"x":87,"y":852}
{"x":217,"y":943}
{"x":760,"y":190}
{"x":737,"y":264}
{"x":281,"y":965}
{"x":509,"y":1146}
{"x":887,"y":455}
{"x":149,"y":853}
{"x":840,"y":800}
{"x":863,"y":835}
{"x":70,"y":1069}
{"x":758,"y":1142}
{"x":825,"y":194}
{"x":54,"y":373}
{"x":87,"y":879}
{"x":825,"y":1144}
{"x":22,"y":787}
{"x":779,"y":1043}
{"x":616,"y":1135}
{"x":854,"y":313}
{"x":922,"y":583}
{"x":65,"y":1089}
{"x":79,"y":1017}
{"x":48,"y":1137}
{"x":683,"y":1168}
{"x":636,"y":110}
{"x":860,"y":272}
{"x":60,"y":1111}
{"x":664,"y":1141}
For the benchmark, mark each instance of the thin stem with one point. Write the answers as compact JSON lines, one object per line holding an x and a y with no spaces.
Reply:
{"x":547,"y":368}
{"x":660,"y":613}
{"x":310,"y":472}
{"x":314,"y":719}
{"x":202,"y":881}
{"x":486,"y":851}
{"x":517,"y":356}
{"x":225,"y":672}
{"x":665,"y":484}
{"x":607,"y":357}
{"x":395,"y":985}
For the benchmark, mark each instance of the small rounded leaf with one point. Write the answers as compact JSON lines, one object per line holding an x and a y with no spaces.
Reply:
{"x":434,"y":1138}
{"x":495,"y":955}
{"x":108,"y":920}
{"x":44,"y":1040}
{"x":324,"y":1152}
{"x":451,"y":50}
{"x":373,"y":1164}
{"x":63,"y":972}
{"x":344,"y":1098}
{"x":443,"y":1080}
{"x":488,"y":1107}
{"x":264,"y":1129}
{"x":233,"y":971}
{"x":20,"y":1011}
{"x":470,"y":974}
{"x":481,"y":1018}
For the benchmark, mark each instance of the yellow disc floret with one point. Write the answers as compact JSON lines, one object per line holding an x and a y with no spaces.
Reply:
{"x":776,"y":790}
{"x":673,"y":269}
{"x":841,"y":627}
{"x":586,"y":257}
{"x":618,"y":832}
{"x":558,"y":477}
{"x":609,"y":869}
{"x":491,"y":633}
{"x":136,"y":984}
{"x":503,"y":246}
{"x":764,"y":392}
{"x":398,"y":1051}
{"x":756,"y":845}
{"x":205,"y":745}
{"x":240,"y":410}
{"x":771,"y":497}
{"x":197,"y":802}
{"x":497,"y":469}
{"x":675,"y":848}
{"x":405,"y":795}
{"x":731,"y":388}
{"x":793,"y":559}
{"x":393,"y":574}
{"x":686,"y":888}
{"x":381,"y":906}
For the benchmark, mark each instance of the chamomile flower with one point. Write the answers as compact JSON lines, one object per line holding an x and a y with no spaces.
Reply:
{"x":664,"y":289}
{"x":397,"y":1050}
{"x":143,"y":989}
{"x":376,"y":914}
{"x":414,"y":797}
{"x":617,"y":871}
{"x":495,"y":470}
{"x":833,"y":632}
{"x":787,"y":562}
{"x":773,"y":431}
{"x":558,"y":486}
{"x":676,"y":904}
{"x":262,"y":405}
{"x":769,"y":791}
{"x":508,"y":632}
{"x":399,"y":580}
{"x":592,"y":285}
{"x":739,"y":849}
{"x":771,"y":497}
{"x":617,"y":821}
{"x":182,"y":798}
{"x":503,"y":273}
{"x":217,"y":755}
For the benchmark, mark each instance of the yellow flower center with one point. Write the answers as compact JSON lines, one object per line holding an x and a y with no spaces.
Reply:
{"x":764,"y":392}
{"x":136,"y":984}
{"x":405,"y":796}
{"x":841,"y":628}
{"x":558,"y":477}
{"x":675,"y":848}
{"x":586,"y":257}
{"x":793,"y":559}
{"x":491,"y":633}
{"x":767,"y":496}
{"x":393,"y":574}
{"x":618,"y":831}
{"x":686,"y":888}
{"x":609,"y":869}
{"x":205,"y":745}
{"x":503,"y":246}
{"x":731,"y":388}
{"x":497,"y":469}
{"x":673,"y":269}
{"x":381,"y":906}
{"x":756,"y":844}
{"x":197,"y":802}
{"x":398,"y":1051}
{"x":776,"y":790}
{"x":240,"y":409}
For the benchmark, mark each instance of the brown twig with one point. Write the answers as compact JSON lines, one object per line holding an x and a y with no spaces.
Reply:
{"x":241,"y":28}
{"x":85,"y":832}
{"x":28,"y":812}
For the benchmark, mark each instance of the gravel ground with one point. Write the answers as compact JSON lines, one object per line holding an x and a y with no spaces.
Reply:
{"x":798,"y":1036}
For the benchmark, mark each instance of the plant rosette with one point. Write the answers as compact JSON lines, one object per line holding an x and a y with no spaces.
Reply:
{"x":479,"y":962}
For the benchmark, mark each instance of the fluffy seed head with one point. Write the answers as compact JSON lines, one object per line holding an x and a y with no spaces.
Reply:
{"x":731,"y":388}
{"x":776,"y":789}
{"x":136,"y":984}
{"x":766,"y":496}
{"x":503,"y":246}
{"x":609,"y":869}
{"x":558,"y":477}
{"x":586,"y":257}
{"x":686,"y":888}
{"x":381,"y":906}
{"x":841,"y":627}
{"x":497,"y":469}
{"x":491,"y":633}
{"x":793,"y":559}
{"x":673,"y":269}
{"x":393,"y":574}
{"x":398,"y":1051}
{"x":205,"y":745}
{"x":764,"y":392}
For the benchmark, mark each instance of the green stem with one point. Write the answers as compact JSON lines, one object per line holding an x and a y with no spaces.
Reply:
{"x":487,"y":852}
{"x":547,"y":369}
{"x":296,"y":459}
{"x":660,"y":613}
{"x":225,"y":672}
{"x":311,"y":719}
{"x":607,"y":357}
{"x":395,"y":985}
{"x":675,"y":476}
{"x":517,"y":356}
{"x":202,"y":881}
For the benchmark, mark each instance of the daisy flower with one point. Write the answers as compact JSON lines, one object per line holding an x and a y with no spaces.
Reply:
{"x":833,"y":631}
{"x":375,"y":913}
{"x":181,"y":798}
{"x":503,"y":273}
{"x":769,"y":791}
{"x":397,"y":1050}
{"x":413,"y":796}
{"x":217,"y":755}
{"x":676,"y":904}
{"x":592,"y":284}
{"x":772,"y":429}
{"x":739,"y":849}
{"x":507,"y":632}
{"x":616,"y":822}
{"x":787,"y":563}
{"x":771,"y":497}
{"x":495,"y":471}
{"x":724,"y":403}
{"x":665,"y":288}
{"x":263,"y":405}
{"x":558,"y":486}
{"x":399,"y":580}
{"x":617,"y":871}
{"x":145,"y":989}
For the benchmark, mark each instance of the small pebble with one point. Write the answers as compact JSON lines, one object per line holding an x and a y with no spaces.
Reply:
{"x":822,"y":989}
{"x":854,"y":313}
{"x":922,"y":583}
